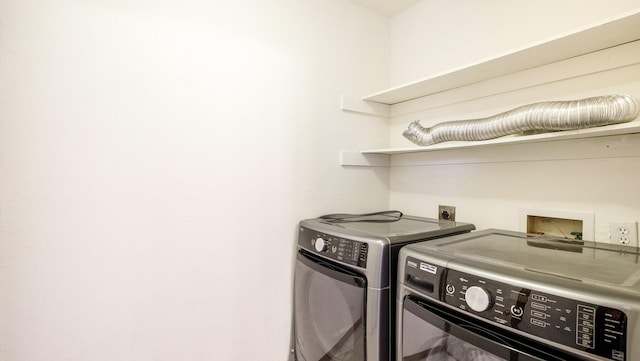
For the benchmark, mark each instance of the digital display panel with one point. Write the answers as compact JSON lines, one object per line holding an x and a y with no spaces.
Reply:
{"x":518,"y":297}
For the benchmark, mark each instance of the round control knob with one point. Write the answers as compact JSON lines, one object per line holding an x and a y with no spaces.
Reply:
{"x":321,"y":244}
{"x":477,"y":298}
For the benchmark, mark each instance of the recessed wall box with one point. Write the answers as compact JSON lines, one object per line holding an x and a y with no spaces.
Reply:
{"x":564,"y":224}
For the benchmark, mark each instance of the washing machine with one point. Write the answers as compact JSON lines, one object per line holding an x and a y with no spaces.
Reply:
{"x":499,"y":295}
{"x":344,"y":283}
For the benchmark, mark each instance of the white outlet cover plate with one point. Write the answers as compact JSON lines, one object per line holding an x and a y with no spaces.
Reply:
{"x":631,"y":234}
{"x":587,"y":218}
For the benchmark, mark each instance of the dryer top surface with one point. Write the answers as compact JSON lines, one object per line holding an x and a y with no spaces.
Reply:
{"x":393,"y":229}
{"x":587,"y":262}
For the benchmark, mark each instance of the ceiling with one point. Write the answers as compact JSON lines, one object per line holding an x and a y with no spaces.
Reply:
{"x":387,"y":7}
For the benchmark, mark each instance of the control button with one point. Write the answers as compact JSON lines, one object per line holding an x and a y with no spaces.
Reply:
{"x":538,"y":314}
{"x":584,"y":343}
{"x":451,"y":289}
{"x":538,"y":306}
{"x":585,"y":325}
{"x":517,"y":311}
{"x":477,"y":298}
{"x":585,"y":336}
{"x":540,"y":298}
{"x":586,"y":316}
{"x":321,"y":244}
{"x":536,"y":322}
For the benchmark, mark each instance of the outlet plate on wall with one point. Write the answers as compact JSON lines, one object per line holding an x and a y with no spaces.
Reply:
{"x":624,"y":233}
{"x":446,"y":213}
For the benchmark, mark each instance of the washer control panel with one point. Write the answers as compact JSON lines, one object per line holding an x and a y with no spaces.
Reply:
{"x":591,"y":328}
{"x":340,"y":249}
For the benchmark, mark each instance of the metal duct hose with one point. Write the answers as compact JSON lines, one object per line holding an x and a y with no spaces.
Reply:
{"x":544,"y":116}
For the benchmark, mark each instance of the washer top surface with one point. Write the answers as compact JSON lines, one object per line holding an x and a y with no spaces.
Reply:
{"x":598,"y":263}
{"x":390,"y":227}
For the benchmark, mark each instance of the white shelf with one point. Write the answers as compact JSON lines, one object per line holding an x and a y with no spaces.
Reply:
{"x":609,"y":130}
{"x":607,"y":34}
{"x":595,"y":37}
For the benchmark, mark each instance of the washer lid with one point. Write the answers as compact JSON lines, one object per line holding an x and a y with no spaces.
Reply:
{"x":599,"y":263}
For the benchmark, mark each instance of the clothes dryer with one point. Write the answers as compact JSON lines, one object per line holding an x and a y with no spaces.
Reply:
{"x":344,"y":283}
{"x":496,"y":295}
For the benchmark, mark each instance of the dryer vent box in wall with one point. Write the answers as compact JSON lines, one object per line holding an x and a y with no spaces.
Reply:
{"x":562,"y":224}
{"x":556,"y":227}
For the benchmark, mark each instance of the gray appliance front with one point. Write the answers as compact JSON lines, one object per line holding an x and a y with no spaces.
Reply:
{"x":331,"y":308}
{"x":575,"y":299}
{"x":342,"y":298}
{"x":344,"y":286}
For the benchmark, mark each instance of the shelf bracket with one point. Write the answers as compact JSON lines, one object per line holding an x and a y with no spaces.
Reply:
{"x":357,"y":159}
{"x":353,"y":104}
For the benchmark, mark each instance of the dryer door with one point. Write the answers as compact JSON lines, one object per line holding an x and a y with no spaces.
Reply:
{"x":432,"y":332}
{"x":329,"y":311}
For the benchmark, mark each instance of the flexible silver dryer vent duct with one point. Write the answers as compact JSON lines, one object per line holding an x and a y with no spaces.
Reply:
{"x":544,"y":116}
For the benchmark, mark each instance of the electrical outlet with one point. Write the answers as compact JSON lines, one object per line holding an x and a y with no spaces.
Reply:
{"x":624,"y":232}
{"x":446,"y":213}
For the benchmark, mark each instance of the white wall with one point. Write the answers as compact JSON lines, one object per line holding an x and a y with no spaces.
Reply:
{"x":154,"y":160}
{"x":489,"y":185}
{"x":435,"y":36}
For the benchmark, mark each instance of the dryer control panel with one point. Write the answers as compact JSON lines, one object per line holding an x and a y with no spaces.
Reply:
{"x":584,"y":326}
{"x":338,"y":248}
